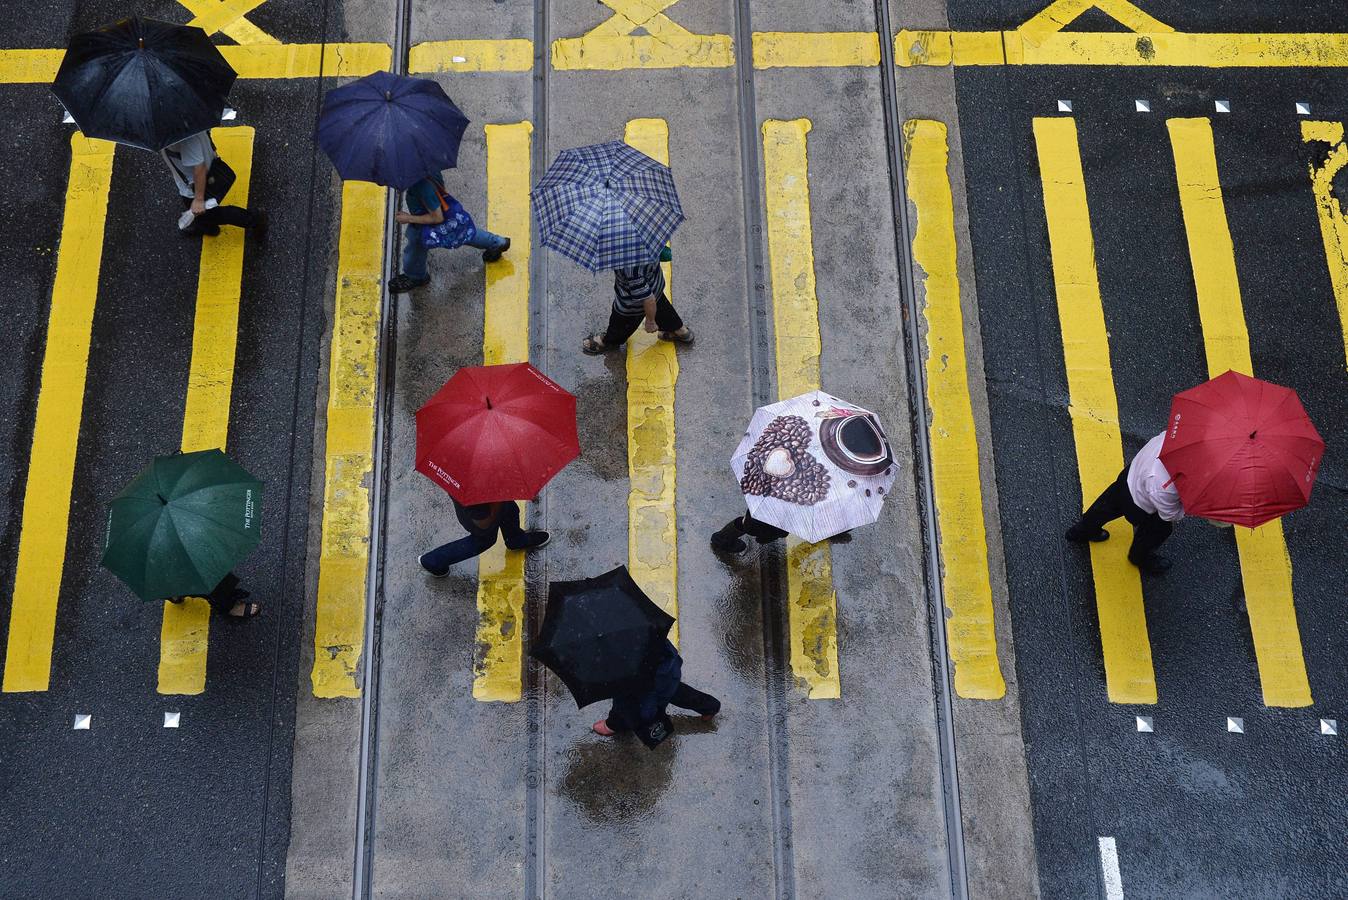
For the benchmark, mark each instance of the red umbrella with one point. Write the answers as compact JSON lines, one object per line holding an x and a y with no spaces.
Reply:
{"x":496,"y":433}
{"x":1241,"y":450}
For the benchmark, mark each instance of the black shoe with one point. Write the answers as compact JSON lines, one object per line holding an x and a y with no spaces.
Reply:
{"x":258,"y":230}
{"x":403,"y":283}
{"x":1078,"y":535}
{"x":533,"y":540}
{"x":438,"y":573}
{"x":494,"y":255}
{"x":1151,"y":564}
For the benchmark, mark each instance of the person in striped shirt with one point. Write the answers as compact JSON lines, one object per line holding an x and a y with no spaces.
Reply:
{"x":639,"y":294}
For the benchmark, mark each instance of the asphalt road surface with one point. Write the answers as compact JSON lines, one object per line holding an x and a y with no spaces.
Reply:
{"x":1113,"y":736}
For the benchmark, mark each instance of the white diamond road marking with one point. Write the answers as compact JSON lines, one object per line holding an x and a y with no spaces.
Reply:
{"x":1109,"y":868}
{"x":1329,"y":726}
{"x":83,"y":722}
{"x":1142,"y":105}
{"x":1235,"y":724}
{"x":1223,"y":106}
{"x":1144,"y":724}
{"x":171,"y":719}
{"x":1064,"y":106}
{"x":1303,"y":109}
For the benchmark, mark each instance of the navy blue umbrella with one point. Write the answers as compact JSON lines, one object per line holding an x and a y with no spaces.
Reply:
{"x":390,"y":129}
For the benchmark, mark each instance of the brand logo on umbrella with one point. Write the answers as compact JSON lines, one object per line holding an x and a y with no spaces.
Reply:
{"x":1175,"y":423}
{"x":443,"y":474}
{"x":248,"y":508}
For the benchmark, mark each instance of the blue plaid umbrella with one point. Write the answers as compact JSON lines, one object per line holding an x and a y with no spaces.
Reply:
{"x":607,"y":206}
{"x":390,"y":129}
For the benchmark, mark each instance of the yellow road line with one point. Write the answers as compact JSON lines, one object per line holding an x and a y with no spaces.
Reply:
{"x":783,"y":49}
{"x":515,"y":55}
{"x":1265,"y":566}
{"x":812,"y":605}
{"x":652,"y":375}
{"x":611,"y":45}
{"x":185,"y":628}
{"x":498,"y":672}
{"x":307,"y":60}
{"x":249,"y":60}
{"x":966,"y":584}
{"x":60,"y":404}
{"x":348,"y":453}
{"x":228,"y":16}
{"x":1333,"y":221}
{"x":1129,"y":675}
{"x":1152,"y":49}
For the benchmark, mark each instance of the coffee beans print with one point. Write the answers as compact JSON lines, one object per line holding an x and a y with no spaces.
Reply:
{"x":806,"y":485}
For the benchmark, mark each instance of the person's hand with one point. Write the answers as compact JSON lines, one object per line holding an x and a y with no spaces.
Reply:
{"x":198,"y":206}
{"x":403,"y":218}
{"x":651,"y":327}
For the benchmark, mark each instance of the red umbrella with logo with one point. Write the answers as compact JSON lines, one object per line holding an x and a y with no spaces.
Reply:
{"x":496,"y":433}
{"x":1241,"y":450}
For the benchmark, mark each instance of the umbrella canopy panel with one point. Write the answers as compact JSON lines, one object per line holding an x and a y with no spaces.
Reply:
{"x":390,"y":129}
{"x":1241,"y":450}
{"x":496,"y":433}
{"x":182,"y":524}
{"x":602,"y":636}
{"x":814,"y":465}
{"x":607,"y":206}
{"x":144,"y":83}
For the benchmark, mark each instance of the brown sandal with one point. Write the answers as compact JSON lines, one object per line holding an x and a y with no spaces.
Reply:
{"x":594,"y":345}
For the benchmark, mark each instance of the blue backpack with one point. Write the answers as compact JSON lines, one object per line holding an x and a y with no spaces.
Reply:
{"x":457,"y":229}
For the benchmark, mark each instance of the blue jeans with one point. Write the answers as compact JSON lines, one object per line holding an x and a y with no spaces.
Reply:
{"x":414,"y":251}
{"x":478,"y":541}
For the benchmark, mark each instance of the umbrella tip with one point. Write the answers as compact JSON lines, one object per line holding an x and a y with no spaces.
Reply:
{"x":161,"y":499}
{"x":388,"y":95}
{"x":488,"y":403}
{"x":141,"y":41}
{"x":1252,"y":434}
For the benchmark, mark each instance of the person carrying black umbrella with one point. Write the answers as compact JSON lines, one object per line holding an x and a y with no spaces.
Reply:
{"x":644,"y":713}
{"x":202,"y":180}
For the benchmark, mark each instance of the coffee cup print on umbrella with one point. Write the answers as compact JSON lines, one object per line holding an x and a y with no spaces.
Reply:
{"x":815,"y":465}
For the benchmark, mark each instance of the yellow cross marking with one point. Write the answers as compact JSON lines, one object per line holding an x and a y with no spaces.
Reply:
{"x":1041,"y":41}
{"x":228,"y":16}
{"x":611,"y":44}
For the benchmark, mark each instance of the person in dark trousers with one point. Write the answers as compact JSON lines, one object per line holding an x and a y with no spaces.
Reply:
{"x":1145,"y":495}
{"x":228,"y":599}
{"x":190,"y":162}
{"x":638,"y":294}
{"x":482,"y":522}
{"x":428,"y":203}
{"x":730,"y":539}
{"x":644,"y":713}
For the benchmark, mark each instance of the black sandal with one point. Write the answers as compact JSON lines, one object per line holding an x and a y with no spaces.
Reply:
{"x":594,"y":346}
{"x":685,"y":338}
{"x":250,"y":609}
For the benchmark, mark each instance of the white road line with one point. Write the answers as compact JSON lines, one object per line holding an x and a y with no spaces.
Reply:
{"x":1109,"y":865}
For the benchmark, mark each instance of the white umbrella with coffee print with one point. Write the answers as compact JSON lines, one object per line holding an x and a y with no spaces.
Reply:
{"x":814,"y":465}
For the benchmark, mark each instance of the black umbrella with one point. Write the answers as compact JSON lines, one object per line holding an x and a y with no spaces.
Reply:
{"x":144,"y":82}
{"x":602,"y":636}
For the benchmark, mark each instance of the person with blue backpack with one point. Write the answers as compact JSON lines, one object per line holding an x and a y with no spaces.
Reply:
{"x":436,"y":219}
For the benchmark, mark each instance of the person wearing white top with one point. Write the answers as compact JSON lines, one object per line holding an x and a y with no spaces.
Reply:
{"x":1145,"y":495}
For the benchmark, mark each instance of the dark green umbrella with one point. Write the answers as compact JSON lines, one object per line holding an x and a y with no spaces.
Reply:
{"x":182,"y":524}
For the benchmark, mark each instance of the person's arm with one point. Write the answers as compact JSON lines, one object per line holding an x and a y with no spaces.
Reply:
{"x":649,"y":306}
{"x":493,"y":516}
{"x":434,"y":217}
{"x":199,"y":188}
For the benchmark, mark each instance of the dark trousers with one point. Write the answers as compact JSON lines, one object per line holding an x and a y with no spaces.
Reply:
{"x":220,"y":215}
{"x":625,"y":715}
{"x":478,"y":540}
{"x":1149,"y":529}
{"x":622,"y":326}
{"x":746,"y":525}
